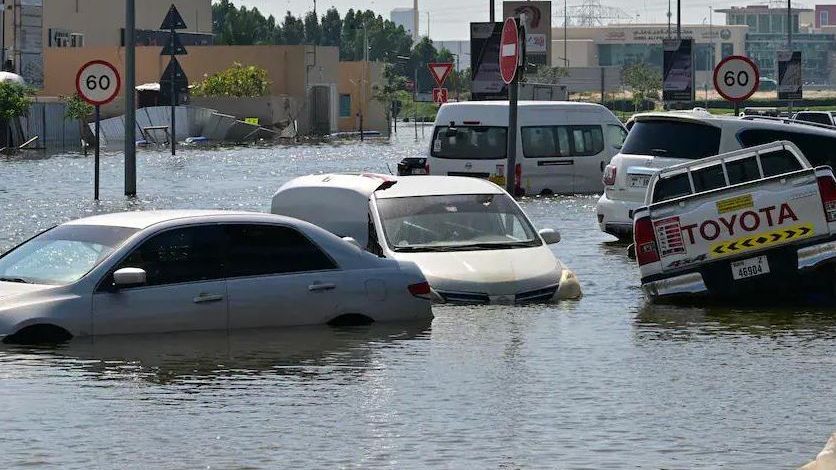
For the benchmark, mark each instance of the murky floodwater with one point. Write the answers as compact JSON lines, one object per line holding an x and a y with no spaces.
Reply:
{"x":606,"y":382}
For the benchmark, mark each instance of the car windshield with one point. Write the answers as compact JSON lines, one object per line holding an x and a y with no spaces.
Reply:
{"x":672,"y":139}
{"x":469,"y":142}
{"x":456,"y":222}
{"x":61,"y":255}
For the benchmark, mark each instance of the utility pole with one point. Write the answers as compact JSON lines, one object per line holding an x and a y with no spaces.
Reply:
{"x":491,"y":10}
{"x":678,"y":19}
{"x":363,"y":79}
{"x":565,"y":35}
{"x":789,"y":25}
{"x":428,"y":25}
{"x":130,"y":98}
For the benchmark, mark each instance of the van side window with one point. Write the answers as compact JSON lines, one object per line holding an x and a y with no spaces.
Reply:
{"x":706,"y":179}
{"x":616,"y":135}
{"x":561,"y":141}
{"x":778,"y":163}
{"x":671,"y":188}
{"x":743,"y":170}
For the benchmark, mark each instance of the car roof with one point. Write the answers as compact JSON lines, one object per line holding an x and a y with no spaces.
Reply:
{"x":412,"y":186}
{"x":144,"y":219}
{"x":734,"y":122}
{"x":386,"y":186}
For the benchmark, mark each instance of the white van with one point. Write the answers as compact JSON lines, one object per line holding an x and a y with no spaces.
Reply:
{"x":562,"y":146}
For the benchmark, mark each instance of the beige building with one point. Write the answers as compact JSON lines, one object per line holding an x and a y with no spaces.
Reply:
{"x":356,"y":87}
{"x":618,"y":45}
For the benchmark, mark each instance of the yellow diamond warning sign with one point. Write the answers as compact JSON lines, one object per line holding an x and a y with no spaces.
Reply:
{"x":761,"y":240}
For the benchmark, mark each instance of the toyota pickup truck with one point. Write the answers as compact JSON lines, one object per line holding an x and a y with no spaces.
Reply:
{"x":749,"y":224}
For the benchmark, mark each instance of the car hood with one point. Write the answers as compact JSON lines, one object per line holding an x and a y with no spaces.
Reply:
{"x":492,"y":272}
{"x":14,"y":290}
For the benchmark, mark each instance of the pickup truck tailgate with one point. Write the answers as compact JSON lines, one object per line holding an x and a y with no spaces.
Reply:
{"x":740,"y":221}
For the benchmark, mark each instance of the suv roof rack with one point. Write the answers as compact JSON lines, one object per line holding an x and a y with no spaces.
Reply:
{"x":786,"y":120}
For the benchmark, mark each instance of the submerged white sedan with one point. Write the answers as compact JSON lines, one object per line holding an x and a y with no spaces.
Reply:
{"x":165,"y":271}
{"x":469,"y":237}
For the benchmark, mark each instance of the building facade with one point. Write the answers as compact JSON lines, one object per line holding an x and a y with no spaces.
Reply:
{"x":620,"y":45}
{"x":407,"y":19}
{"x":768,"y":34}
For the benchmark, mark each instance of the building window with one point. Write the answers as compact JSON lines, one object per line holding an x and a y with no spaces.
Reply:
{"x":727,"y":49}
{"x":823,"y":18}
{"x":345,"y":105}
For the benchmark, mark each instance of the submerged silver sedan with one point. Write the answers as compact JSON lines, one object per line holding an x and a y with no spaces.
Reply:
{"x":165,"y":271}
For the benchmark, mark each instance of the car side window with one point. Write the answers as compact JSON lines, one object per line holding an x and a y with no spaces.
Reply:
{"x":819,"y":149}
{"x":187,"y":254}
{"x":743,"y":170}
{"x":258,"y":250}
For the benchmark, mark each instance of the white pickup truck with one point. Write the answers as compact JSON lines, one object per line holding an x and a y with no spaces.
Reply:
{"x":739,"y":225}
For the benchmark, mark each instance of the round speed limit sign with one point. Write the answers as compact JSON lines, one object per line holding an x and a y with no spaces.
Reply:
{"x":98,"y":82}
{"x":736,"y":78}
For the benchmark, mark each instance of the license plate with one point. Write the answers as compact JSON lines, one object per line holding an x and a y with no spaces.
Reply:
{"x":750,"y":267}
{"x":419,"y":171}
{"x":497,"y":180}
{"x":639,"y":181}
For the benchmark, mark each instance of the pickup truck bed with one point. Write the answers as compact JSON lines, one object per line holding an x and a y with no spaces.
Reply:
{"x":750,"y":224}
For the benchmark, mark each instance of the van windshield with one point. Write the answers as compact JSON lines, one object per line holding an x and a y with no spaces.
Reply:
{"x":672,"y":139}
{"x":455,"y":222}
{"x":469,"y":142}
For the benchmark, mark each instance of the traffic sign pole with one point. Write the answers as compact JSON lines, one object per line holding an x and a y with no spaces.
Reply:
{"x":510,"y":58}
{"x":173,"y":103}
{"x":96,"y":164}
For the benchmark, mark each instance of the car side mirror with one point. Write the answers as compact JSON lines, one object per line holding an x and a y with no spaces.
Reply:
{"x":129,"y":277}
{"x":352,"y":241}
{"x":550,"y":236}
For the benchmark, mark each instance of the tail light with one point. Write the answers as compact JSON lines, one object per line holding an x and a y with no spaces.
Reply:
{"x":427,"y":167}
{"x":518,"y":176}
{"x":421,"y":290}
{"x":609,"y":175}
{"x":645,"y":239}
{"x":827,"y":189}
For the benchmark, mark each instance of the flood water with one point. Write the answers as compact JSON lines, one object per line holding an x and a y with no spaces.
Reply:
{"x":605,"y":382}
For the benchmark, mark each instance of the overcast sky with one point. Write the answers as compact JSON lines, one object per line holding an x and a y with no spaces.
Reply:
{"x":448,"y":20}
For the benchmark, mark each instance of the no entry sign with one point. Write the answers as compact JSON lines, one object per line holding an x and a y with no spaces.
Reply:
{"x":98,"y":82}
{"x":736,"y":78}
{"x":509,"y":50}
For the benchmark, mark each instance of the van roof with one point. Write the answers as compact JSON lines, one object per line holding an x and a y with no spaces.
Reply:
{"x":522,"y":104}
{"x":386,"y":186}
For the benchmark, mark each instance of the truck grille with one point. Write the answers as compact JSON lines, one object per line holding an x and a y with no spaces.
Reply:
{"x":536,"y":296}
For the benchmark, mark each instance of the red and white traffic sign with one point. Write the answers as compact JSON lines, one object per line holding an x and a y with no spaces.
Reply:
{"x":509,"y":50}
{"x":440,"y":71}
{"x":439,"y":95}
{"x":736,"y":78}
{"x":98,"y":82}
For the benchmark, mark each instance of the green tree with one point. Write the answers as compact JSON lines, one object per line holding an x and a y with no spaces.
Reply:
{"x":331,"y":26}
{"x":644,"y":82}
{"x":293,"y":30}
{"x":313,"y":31}
{"x":80,"y":110}
{"x":238,"y":80}
{"x":15,"y":100}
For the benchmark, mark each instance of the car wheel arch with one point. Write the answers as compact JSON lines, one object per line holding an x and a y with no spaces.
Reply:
{"x":351,"y":319}
{"x":39,"y":332}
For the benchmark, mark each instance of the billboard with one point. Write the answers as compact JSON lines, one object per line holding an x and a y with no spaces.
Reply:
{"x":789,"y":75}
{"x":538,"y":28}
{"x":487,"y":82}
{"x":678,"y":70}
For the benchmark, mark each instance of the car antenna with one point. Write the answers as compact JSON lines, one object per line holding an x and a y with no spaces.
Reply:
{"x":389,"y":168}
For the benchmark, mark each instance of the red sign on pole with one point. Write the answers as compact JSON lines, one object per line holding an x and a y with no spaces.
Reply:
{"x":440,"y":71}
{"x":439,"y":95}
{"x":509,"y":50}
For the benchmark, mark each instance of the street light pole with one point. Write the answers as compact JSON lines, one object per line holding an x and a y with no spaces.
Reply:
{"x":565,"y":35}
{"x":130,"y":98}
{"x":678,"y":19}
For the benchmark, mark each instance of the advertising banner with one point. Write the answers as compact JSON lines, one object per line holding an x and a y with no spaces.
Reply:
{"x":487,"y":82}
{"x":538,"y":28}
{"x":789,"y":75}
{"x":678,"y":70}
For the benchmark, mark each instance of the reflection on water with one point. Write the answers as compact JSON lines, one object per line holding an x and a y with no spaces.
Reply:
{"x":208,"y":356}
{"x":610,"y":381}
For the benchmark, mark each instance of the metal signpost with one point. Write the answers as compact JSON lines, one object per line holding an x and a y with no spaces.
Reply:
{"x":511,"y":56}
{"x":173,"y":77}
{"x":440,"y":71}
{"x":97,"y":83}
{"x":736,"y":78}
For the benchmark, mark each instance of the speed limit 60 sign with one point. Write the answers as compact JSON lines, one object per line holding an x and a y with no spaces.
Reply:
{"x":98,"y":82}
{"x":736,"y":78}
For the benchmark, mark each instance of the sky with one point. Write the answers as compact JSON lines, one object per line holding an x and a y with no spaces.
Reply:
{"x":449,"y":20}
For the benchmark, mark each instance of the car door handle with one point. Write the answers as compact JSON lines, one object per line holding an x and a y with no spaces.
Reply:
{"x":320,"y":287}
{"x":203,"y":298}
